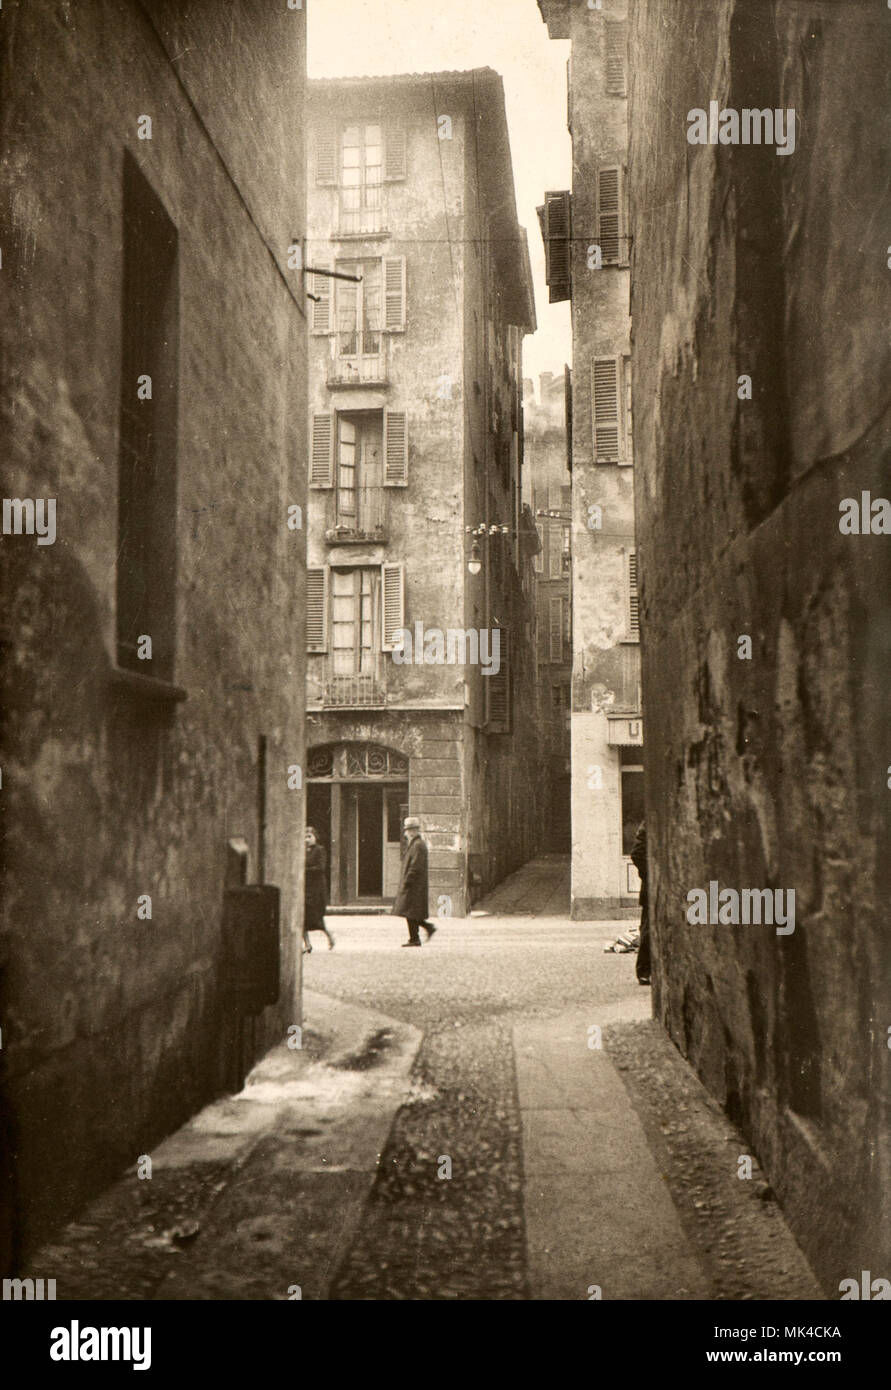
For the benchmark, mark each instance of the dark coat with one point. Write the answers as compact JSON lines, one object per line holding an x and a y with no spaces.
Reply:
{"x":315,"y":889}
{"x":639,"y":860}
{"x":411,"y":895}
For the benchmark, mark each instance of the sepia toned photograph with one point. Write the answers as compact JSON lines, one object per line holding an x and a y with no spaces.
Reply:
{"x":446,"y":506}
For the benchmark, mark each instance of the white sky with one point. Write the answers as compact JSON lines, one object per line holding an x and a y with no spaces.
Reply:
{"x":374,"y":37}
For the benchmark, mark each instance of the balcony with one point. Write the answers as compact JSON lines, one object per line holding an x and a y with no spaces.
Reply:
{"x":359,"y":369}
{"x":361,"y":517}
{"x":360,"y":222}
{"x":353,"y":690}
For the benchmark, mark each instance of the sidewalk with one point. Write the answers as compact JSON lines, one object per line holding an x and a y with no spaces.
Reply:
{"x":600,"y":1221}
{"x":260,"y":1193}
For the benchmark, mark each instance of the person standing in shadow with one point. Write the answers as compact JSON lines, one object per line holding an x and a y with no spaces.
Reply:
{"x":315,"y":890}
{"x":639,"y":860}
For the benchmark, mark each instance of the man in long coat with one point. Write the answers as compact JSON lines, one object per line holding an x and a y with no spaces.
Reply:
{"x":411,"y":895}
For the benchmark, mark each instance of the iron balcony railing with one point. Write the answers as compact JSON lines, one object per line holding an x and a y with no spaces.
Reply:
{"x":357,"y":689}
{"x":361,"y":516}
{"x":367,"y":221}
{"x":358,"y":369}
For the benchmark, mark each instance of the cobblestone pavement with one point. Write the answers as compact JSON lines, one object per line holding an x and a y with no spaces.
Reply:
{"x":478,"y":1044}
{"x":462,"y":1237}
{"x":426,"y":1236}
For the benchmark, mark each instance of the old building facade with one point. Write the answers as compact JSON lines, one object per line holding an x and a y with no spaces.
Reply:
{"x":154,"y":352}
{"x":587,"y":240}
{"x":547,"y":492}
{"x":421,"y":691}
{"x":761,"y":369}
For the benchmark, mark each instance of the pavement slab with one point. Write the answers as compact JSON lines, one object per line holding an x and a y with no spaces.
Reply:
{"x":598,"y":1213}
{"x":259,"y":1194}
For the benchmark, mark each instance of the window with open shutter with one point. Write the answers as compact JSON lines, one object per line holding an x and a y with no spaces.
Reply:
{"x":321,"y":457}
{"x":317,"y":609}
{"x":395,"y":448}
{"x":606,"y":406}
{"x":609,"y":214}
{"x":393,"y":604}
{"x":557,"y":246}
{"x":633,"y":601}
{"x":321,"y":309}
{"x":628,"y":442}
{"x":326,"y":154}
{"x":616,"y":42}
{"x":394,"y":152}
{"x":498,"y":689}
{"x":394,"y":294}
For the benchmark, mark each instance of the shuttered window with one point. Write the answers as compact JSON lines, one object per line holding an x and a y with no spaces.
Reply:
{"x":326,"y":154}
{"x":321,"y":465}
{"x":616,"y":44}
{"x":538,"y":560}
{"x":607,"y":409}
{"x":628,"y":450}
{"x":321,"y":309}
{"x":555,"y":557}
{"x":395,"y":448}
{"x":633,"y":601}
{"x":498,"y":690}
{"x":317,"y":609}
{"x":557,"y":246}
{"x":394,"y":152}
{"x":555,"y":630}
{"x":393,"y":602}
{"x":394,"y":294}
{"x":609,"y":215}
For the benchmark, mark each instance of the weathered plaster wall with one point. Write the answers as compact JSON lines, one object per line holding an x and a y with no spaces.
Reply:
{"x":454,"y":370}
{"x":112,"y":1031}
{"x":425,"y":365}
{"x":605,"y":664}
{"x":769,"y":772}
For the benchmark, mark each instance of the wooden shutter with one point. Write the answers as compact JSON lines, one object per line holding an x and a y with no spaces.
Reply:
{"x":317,"y":609}
{"x":392,"y":603}
{"x":326,"y":154}
{"x":395,"y":448}
{"x":394,"y":294}
{"x":322,"y":286}
{"x":394,"y":152}
{"x":633,"y":614}
{"x":605,"y":406}
{"x":555,"y":629}
{"x":321,"y":456}
{"x":498,"y":690}
{"x":557,"y":246}
{"x":616,"y":43}
{"x":628,"y":440}
{"x":609,"y":211}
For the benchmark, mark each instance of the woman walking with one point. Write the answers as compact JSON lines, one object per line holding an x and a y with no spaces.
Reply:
{"x":315,"y":890}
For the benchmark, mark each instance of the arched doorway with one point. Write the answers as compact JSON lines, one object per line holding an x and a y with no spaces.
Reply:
{"x":357,"y":797}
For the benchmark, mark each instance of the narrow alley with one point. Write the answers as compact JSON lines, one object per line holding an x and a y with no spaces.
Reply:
{"x":444,"y":734}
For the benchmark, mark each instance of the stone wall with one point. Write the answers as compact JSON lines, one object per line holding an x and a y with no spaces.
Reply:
{"x":768,"y":768}
{"x":112,"y":1026}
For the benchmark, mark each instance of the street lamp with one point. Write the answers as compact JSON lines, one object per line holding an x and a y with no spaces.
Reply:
{"x":475,"y":563}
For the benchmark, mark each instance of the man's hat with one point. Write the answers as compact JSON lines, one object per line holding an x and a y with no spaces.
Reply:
{"x":411,"y":823}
